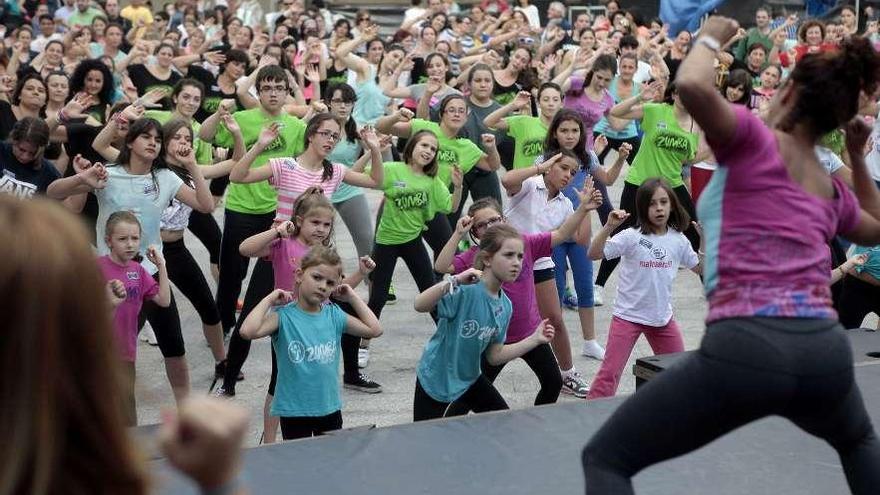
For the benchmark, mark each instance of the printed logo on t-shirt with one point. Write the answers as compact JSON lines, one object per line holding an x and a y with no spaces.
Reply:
{"x":133,"y":275}
{"x":533,"y":148}
{"x":399,"y":184}
{"x":411,"y":201}
{"x":471,"y":328}
{"x":671,"y":142}
{"x":17,"y":188}
{"x":447,"y":156}
{"x":657,"y":253}
{"x":324,"y":353}
{"x":277,"y":144}
{"x":151,"y":188}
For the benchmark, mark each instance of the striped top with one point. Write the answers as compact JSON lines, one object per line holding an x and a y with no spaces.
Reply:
{"x":291,"y":180}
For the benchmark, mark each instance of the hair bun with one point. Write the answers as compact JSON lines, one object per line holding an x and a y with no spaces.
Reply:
{"x":861,"y":62}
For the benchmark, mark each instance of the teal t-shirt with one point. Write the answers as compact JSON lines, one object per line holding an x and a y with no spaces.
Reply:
{"x":260,"y":197}
{"x":204,"y":151}
{"x":461,"y":151}
{"x":411,"y":200}
{"x":307,"y":349}
{"x":470,"y":320}
{"x":371,"y":103}
{"x":528,"y":135}
{"x":665,"y":147}
{"x":604,"y":127}
{"x":345,"y":152}
{"x":872,"y":265}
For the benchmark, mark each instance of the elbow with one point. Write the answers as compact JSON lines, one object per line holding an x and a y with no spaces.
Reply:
{"x":594,"y":255}
{"x":164,"y":301}
{"x":206,"y":206}
{"x":375,"y":331}
{"x":247,"y":332}
{"x":494,"y":359}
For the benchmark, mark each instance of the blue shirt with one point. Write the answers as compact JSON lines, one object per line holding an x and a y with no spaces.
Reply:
{"x":604,"y":127}
{"x":307,"y":348}
{"x":470,"y":320}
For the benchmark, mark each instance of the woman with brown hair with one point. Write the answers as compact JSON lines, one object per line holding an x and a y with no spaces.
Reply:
{"x":62,"y":420}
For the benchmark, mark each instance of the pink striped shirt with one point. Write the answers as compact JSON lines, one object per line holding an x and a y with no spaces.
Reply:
{"x":291,"y":180}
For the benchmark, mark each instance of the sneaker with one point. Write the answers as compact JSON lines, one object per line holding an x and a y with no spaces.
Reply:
{"x":147,"y":335}
{"x":363,"y":357}
{"x":574,"y":384}
{"x":598,"y":295}
{"x":223,"y":393}
{"x":569,"y":300}
{"x":220,"y":371}
{"x":363,"y":384}
{"x":593,"y":349}
{"x":392,"y":298}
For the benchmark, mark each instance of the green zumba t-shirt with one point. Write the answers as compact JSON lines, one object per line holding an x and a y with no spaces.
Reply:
{"x":665,"y":146}
{"x":204,"y":151}
{"x":528,"y":134}
{"x":462,"y":151}
{"x":411,"y":200}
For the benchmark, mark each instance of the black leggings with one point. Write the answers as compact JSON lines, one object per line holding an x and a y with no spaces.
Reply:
{"x":857,"y":299}
{"x":166,"y":325}
{"x":416,"y":258}
{"x":184,"y":272}
{"x":543,"y":363}
{"x":206,"y":230}
{"x":628,"y":203}
{"x":479,"y":184}
{"x":614,"y":144}
{"x":306,"y":426}
{"x":261,"y":284}
{"x":746,"y":369}
{"x":233,"y":266}
{"x":482,"y":396}
{"x":218,"y":185}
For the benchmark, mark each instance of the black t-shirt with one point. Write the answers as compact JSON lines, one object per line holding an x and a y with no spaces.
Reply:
{"x":145,"y":81}
{"x":7,"y":119}
{"x":24,"y":180}
{"x":213,"y":93}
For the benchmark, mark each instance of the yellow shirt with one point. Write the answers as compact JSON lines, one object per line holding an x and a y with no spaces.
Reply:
{"x":138,"y":14}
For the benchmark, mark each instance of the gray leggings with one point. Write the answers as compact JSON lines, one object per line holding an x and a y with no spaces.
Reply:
{"x":355,"y":213}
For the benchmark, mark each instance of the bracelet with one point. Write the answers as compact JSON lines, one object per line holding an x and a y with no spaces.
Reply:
{"x":710,"y":43}
{"x":453,"y":283}
{"x":62,"y":116}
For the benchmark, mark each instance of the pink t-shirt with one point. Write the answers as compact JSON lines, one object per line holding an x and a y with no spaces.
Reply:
{"x":285,"y":256}
{"x":291,"y":180}
{"x":139,"y":286}
{"x":766,"y":238}
{"x":590,"y":111}
{"x":525,"y":317}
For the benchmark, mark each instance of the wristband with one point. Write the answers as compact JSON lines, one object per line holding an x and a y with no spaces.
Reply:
{"x":62,"y":116}
{"x":710,"y":43}
{"x":453,"y":284}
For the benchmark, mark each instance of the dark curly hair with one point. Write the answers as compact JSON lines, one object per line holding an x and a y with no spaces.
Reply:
{"x":78,"y":80}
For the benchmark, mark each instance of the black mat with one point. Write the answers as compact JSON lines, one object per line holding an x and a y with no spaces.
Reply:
{"x":537,"y":451}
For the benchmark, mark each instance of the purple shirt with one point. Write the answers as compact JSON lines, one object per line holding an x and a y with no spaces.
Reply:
{"x":590,"y":111}
{"x":521,"y":292}
{"x":139,"y":286}
{"x":766,"y":237}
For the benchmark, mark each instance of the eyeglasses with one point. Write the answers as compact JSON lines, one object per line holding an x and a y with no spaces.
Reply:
{"x":332,"y":136}
{"x":339,"y":101}
{"x":273,"y":89}
{"x":488,"y":223}
{"x":359,"y":19}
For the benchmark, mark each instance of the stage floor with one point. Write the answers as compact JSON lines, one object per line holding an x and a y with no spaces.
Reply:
{"x":534,"y":451}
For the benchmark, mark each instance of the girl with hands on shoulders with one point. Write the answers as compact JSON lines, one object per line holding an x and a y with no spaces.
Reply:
{"x":474,"y":314}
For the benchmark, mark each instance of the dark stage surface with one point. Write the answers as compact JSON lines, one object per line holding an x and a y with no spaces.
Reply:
{"x":537,"y":451}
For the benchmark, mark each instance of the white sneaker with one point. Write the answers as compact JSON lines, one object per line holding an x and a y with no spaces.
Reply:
{"x":147,"y":335}
{"x":574,"y":384}
{"x":598,"y":295}
{"x":363,"y":357}
{"x":593,"y":349}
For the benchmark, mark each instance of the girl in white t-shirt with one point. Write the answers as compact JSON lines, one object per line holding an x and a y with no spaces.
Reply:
{"x":650,"y":253}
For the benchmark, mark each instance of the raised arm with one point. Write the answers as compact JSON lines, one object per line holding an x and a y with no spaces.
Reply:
{"x":597,"y":245}
{"x":242,"y":172}
{"x":513,"y":180}
{"x":399,"y":123}
{"x":427,"y":300}
{"x":260,"y":245}
{"x":443,"y":263}
{"x":377,"y":169}
{"x":696,"y":82}
{"x":209,"y":127}
{"x":88,"y":177}
{"x":498,"y":354}
{"x":261,"y":322}
{"x":365,"y":324}
{"x":163,"y":298}
{"x":491,"y":161}
{"x":495,"y":120}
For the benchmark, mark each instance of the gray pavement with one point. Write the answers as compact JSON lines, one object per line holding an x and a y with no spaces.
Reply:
{"x":395,"y":355}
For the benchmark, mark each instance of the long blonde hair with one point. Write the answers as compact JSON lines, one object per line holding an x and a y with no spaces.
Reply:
{"x":62,"y":421}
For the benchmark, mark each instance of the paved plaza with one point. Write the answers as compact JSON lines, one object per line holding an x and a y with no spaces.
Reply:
{"x":394,"y":356}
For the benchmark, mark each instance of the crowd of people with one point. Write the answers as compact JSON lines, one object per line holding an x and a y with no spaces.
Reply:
{"x":488,"y":131}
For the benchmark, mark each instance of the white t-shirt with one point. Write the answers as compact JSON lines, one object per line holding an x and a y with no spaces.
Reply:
{"x":643,"y":73}
{"x":873,"y":158}
{"x":829,"y":160}
{"x":648,"y":265}
{"x":531,"y":212}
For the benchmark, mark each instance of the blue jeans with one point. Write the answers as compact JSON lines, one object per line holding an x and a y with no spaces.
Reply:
{"x":570,"y":253}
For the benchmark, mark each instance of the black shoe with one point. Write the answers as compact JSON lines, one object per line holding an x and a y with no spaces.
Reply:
{"x":220,"y":371}
{"x":362,"y":384}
